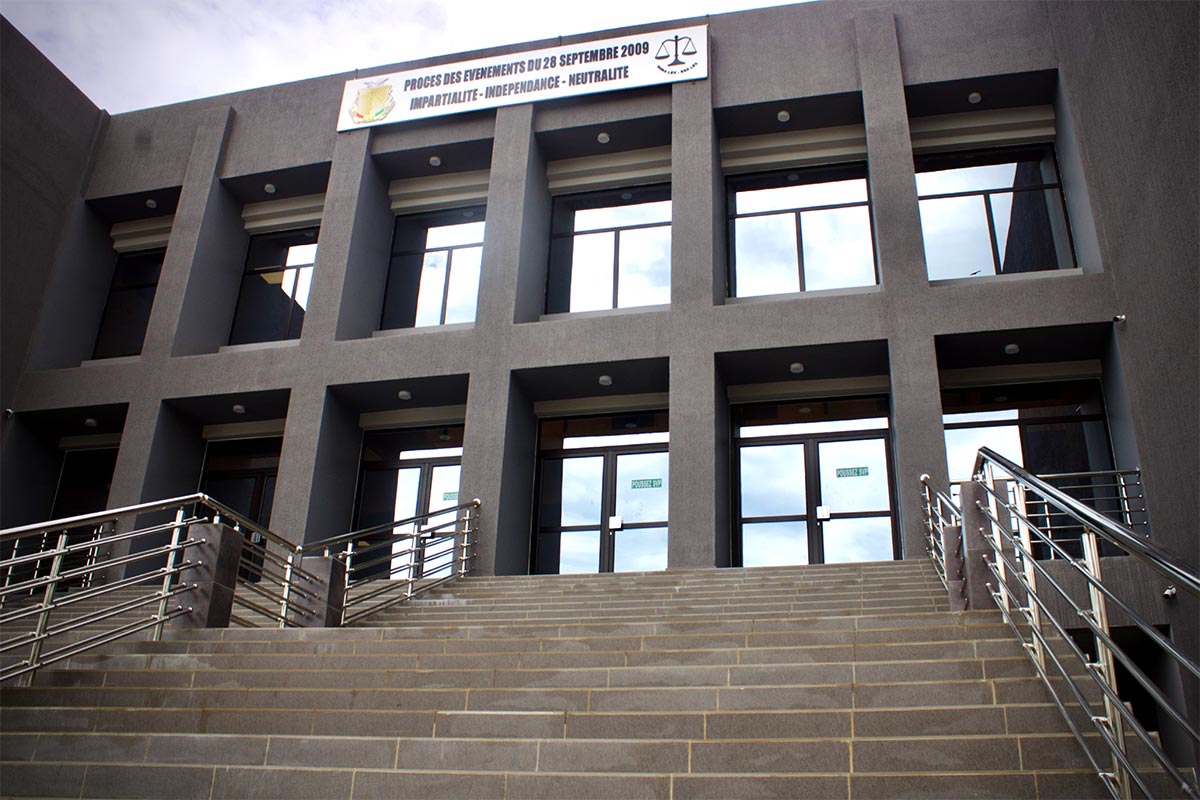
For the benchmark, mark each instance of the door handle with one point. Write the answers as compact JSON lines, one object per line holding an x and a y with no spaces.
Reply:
{"x":615,"y":524}
{"x":822,"y":513}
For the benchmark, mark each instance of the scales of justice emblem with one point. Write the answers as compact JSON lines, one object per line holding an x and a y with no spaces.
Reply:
{"x":672,"y":49}
{"x":373,"y":102}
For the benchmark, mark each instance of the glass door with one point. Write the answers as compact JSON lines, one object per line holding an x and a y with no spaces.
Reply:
{"x":603,"y":495}
{"x":404,"y":474}
{"x":813,"y":483}
{"x":241,"y":473}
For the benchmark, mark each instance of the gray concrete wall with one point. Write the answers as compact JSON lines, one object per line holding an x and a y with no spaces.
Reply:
{"x":1127,"y":118}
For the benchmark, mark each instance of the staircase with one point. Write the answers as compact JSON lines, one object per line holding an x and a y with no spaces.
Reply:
{"x":837,"y":681}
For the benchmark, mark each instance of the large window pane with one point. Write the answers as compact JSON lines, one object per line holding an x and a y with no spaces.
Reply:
{"x":462,"y":293}
{"x":962,"y":445}
{"x":644,"y":270}
{"x":433,"y":282}
{"x":640,"y":550}
{"x":275,"y":287}
{"x":642,"y":486}
{"x":579,"y":552}
{"x":591,"y":219}
{"x":774,"y":544}
{"x":862,"y":539}
{"x":838,"y":250}
{"x":956,"y":235}
{"x":581,"y":489}
{"x":592,"y":272}
{"x":765,"y":252}
{"x":772,"y":480}
{"x":854,"y":475}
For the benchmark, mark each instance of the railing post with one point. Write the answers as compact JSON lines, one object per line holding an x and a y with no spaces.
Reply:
{"x":464,"y":552}
{"x":975,"y":546}
{"x":1033,"y":611}
{"x":288,"y":577}
{"x":39,"y":632}
{"x":168,"y":570}
{"x":1104,"y":659}
{"x":330,"y":590}
{"x":997,"y":537}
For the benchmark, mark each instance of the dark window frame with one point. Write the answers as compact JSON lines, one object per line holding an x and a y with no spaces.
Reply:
{"x":242,"y":307}
{"x":407,"y":300}
{"x":562,"y":230}
{"x":805,"y":176}
{"x":993,"y":156}
{"x":118,"y":288}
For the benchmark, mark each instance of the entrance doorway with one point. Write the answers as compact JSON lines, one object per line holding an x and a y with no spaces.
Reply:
{"x":603,"y":485}
{"x":813,"y":483}
{"x":407,"y":473}
{"x":241,"y":473}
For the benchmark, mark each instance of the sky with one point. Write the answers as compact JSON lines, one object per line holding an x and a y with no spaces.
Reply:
{"x":130,"y":54}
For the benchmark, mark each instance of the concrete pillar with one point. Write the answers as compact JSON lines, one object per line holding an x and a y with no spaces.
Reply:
{"x":499,"y":461}
{"x":698,"y":263}
{"x":197,"y":288}
{"x":918,"y":441}
{"x":975,"y":547}
{"x":512,"y":281}
{"x":318,"y":467}
{"x":211,"y":599}
{"x":355,"y":242}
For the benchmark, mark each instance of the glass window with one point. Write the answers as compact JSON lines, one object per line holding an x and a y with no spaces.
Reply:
{"x":610,"y":250}
{"x":123,"y":325}
{"x":433,"y":276}
{"x":802,"y":230}
{"x":993,"y":213}
{"x":275,"y":286}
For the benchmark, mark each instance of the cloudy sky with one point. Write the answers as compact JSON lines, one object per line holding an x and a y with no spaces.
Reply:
{"x":129,"y":54}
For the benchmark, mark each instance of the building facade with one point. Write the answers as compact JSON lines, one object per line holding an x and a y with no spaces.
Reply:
{"x":713,"y":322}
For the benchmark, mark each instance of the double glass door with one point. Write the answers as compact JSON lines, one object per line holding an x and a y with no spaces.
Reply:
{"x":404,"y":474}
{"x":814,"y":492}
{"x":603,"y":495}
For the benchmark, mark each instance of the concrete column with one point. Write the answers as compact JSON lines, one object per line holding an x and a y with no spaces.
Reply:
{"x":318,"y":467}
{"x":698,"y":263}
{"x":211,"y":598}
{"x":918,"y":440}
{"x":898,"y":244}
{"x":352,"y":259}
{"x":512,"y":281}
{"x":499,"y":460}
{"x":194,"y":302}
{"x":698,"y":506}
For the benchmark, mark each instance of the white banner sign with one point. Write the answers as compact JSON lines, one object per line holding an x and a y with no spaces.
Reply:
{"x":566,"y":71}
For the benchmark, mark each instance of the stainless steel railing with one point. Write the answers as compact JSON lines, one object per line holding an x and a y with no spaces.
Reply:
{"x":1046,"y":593}
{"x":394,"y":562}
{"x":54,"y":597}
{"x":941,"y":516}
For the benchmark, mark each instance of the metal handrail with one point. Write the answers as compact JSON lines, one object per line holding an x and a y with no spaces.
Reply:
{"x":414,"y":576}
{"x":1157,"y":558}
{"x":1040,"y":608}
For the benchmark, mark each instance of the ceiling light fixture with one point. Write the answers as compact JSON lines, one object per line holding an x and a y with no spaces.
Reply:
{"x":468,"y":214}
{"x":974,"y":98}
{"x":435,"y":161}
{"x":269,"y":188}
{"x":238,"y":408}
{"x":151,"y":202}
{"x":404,"y":394}
{"x":1012,"y":348}
{"x":783,"y":116}
{"x":793,"y":177}
{"x":605,"y":380}
{"x":603,"y":138}
{"x":90,"y":422}
{"x":626,"y":195}
{"x":796,"y":368}
{"x":444,"y":436}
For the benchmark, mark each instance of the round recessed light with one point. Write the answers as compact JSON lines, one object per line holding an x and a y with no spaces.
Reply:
{"x":151,"y":202}
{"x":444,"y":436}
{"x":1000,"y":398}
{"x":603,"y":138}
{"x":1012,"y":348}
{"x":605,"y":380}
{"x":90,"y":422}
{"x":435,"y":161}
{"x":804,"y":410}
{"x":795,"y":367}
{"x":631,"y":425}
{"x":783,"y":116}
{"x":793,"y":177}
{"x":468,"y":214}
{"x":269,"y":188}
{"x":238,"y":408}
{"x":626,"y":195}
{"x":404,"y":394}
{"x":974,"y":98}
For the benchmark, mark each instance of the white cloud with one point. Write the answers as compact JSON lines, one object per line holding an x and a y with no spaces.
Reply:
{"x":127,"y":54}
